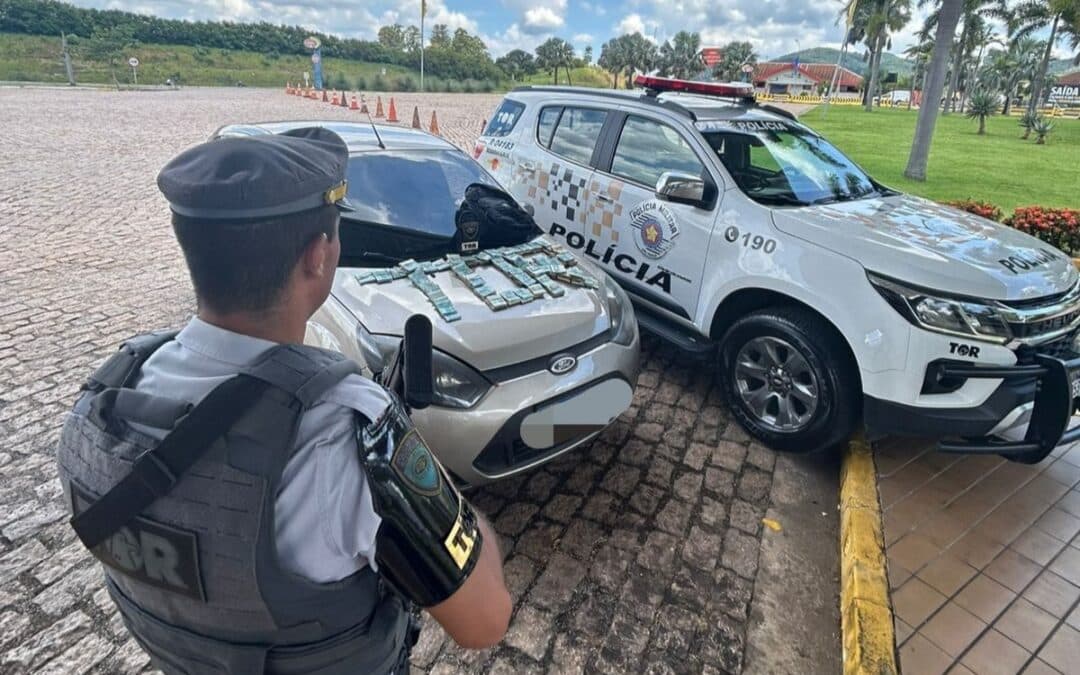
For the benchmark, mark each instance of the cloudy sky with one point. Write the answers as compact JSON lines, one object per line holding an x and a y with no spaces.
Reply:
{"x":774,"y":27}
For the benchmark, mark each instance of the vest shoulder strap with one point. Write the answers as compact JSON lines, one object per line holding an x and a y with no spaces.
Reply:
{"x":119,"y":368}
{"x":304,"y":372}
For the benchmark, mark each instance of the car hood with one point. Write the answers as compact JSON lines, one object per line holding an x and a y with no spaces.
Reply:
{"x":483,"y":338}
{"x":934,"y":246}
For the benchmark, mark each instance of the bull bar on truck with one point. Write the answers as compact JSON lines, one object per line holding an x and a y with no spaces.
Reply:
{"x":1053,"y":406}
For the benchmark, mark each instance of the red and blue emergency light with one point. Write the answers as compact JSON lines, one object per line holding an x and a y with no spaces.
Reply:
{"x":659,"y":85}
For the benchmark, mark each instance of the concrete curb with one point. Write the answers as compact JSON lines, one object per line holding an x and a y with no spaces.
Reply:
{"x":866,"y":618}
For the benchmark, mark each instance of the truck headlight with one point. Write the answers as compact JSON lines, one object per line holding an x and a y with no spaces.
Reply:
{"x":622,"y":314}
{"x":944,"y":314}
{"x":456,"y":384}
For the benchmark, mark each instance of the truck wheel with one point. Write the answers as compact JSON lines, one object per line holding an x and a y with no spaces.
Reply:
{"x":789,"y":379}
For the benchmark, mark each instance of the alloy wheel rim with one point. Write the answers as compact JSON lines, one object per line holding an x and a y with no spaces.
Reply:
{"x":776,"y":384}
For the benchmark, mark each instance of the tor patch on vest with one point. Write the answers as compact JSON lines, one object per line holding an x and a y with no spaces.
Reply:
{"x":416,"y":466}
{"x":460,"y":542}
{"x":163,"y":556}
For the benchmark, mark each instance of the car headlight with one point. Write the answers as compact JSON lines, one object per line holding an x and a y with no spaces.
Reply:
{"x":622,"y":315}
{"x":376,"y":349}
{"x":456,"y":384}
{"x":944,"y":314}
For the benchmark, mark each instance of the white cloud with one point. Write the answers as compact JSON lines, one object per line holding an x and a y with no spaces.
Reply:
{"x":594,"y":7}
{"x":582,"y":38}
{"x":541,"y":20}
{"x":631,"y":23}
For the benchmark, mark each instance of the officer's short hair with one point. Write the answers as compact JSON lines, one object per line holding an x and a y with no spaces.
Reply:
{"x":244,"y":265}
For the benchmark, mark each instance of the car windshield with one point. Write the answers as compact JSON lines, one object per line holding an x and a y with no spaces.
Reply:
{"x":423,"y":204}
{"x":782,"y":164}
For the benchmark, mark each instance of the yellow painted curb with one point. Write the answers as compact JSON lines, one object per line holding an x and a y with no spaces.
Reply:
{"x":866,"y":618}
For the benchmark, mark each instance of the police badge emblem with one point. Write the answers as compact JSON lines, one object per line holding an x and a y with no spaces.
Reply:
{"x":414,"y":464}
{"x":656,"y":228}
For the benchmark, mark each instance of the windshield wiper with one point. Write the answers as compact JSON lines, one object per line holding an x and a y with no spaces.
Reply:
{"x":780,"y":200}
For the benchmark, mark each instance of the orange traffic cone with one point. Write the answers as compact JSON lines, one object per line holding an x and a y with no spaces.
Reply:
{"x":288,"y":88}
{"x":378,"y":107}
{"x":325,"y":98}
{"x":435,"y":124}
{"x":391,"y":114}
{"x":415,"y":117}
{"x":363,"y":108}
{"x":345,"y":100}
{"x":353,"y":105}
{"x":334,"y":100}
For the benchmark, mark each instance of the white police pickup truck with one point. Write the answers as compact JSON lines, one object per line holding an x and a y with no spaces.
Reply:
{"x":826,"y":296}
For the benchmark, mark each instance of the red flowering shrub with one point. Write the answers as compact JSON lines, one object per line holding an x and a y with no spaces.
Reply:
{"x":984,"y":209}
{"x":1057,"y":227}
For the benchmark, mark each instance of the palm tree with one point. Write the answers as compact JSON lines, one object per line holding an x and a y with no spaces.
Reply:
{"x":1035,"y":15}
{"x":948,"y":17}
{"x":681,"y":57}
{"x":641,"y":56}
{"x":1005,"y":70}
{"x":874,"y":21}
{"x":983,"y":104}
{"x":613,"y":58}
{"x":974,"y":18}
{"x":920,"y":54}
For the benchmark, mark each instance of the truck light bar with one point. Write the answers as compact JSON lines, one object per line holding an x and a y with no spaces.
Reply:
{"x":657,"y":85}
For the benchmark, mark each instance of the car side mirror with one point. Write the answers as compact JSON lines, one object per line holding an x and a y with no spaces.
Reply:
{"x":683,"y":188}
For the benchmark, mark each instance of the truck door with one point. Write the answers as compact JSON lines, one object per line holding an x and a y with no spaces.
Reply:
{"x":654,"y":247}
{"x":551,"y":174}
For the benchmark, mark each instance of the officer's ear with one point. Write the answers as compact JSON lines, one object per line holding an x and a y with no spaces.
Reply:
{"x":317,"y":260}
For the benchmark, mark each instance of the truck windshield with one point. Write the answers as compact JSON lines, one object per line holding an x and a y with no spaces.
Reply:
{"x":781,"y":164}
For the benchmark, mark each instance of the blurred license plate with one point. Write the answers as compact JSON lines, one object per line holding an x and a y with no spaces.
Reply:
{"x":578,"y":416}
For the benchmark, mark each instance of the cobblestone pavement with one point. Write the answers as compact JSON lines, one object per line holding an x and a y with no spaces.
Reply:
{"x":984,"y":559}
{"x":637,"y":554}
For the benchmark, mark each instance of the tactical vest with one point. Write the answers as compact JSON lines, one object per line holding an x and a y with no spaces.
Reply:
{"x":196,"y":575}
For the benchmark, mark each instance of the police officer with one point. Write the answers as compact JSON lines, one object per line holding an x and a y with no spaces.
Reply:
{"x":257,"y":504}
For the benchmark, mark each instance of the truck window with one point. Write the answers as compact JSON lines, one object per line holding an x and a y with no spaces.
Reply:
{"x":546,"y":125}
{"x":576,"y":133}
{"x":505,"y":118}
{"x":647,"y":149}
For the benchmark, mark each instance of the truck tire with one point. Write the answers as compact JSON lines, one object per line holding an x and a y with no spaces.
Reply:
{"x":789,"y":379}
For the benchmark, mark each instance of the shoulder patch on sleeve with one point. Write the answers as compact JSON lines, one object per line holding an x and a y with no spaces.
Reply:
{"x":362,"y":395}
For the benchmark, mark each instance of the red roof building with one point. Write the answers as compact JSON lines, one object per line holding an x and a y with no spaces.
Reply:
{"x":1069,"y":79}
{"x":782,"y":78}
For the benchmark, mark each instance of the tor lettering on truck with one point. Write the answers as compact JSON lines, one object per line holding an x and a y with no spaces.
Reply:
{"x":156,"y":554}
{"x":960,"y":349}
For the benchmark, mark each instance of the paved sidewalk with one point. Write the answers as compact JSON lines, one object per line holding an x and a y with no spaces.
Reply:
{"x":984,"y":560}
{"x":640,"y":553}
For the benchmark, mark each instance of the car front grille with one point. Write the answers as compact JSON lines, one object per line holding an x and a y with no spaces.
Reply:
{"x":1036,"y":329}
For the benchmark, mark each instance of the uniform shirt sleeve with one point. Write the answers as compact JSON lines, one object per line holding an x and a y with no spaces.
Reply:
{"x":326,"y":521}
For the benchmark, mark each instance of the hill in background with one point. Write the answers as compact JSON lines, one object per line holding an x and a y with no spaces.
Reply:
{"x":853,"y":61}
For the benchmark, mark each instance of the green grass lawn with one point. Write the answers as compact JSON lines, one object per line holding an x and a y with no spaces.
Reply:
{"x":579,"y":77}
{"x":36,"y":58}
{"x":999,"y":167}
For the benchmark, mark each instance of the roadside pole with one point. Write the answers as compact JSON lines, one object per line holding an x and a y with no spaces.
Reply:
{"x":423,"y":11}
{"x":134,"y":63}
{"x":67,"y":60}
{"x":835,"y":77}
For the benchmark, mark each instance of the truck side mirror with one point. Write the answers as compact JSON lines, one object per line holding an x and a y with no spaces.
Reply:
{"x":684,"y":188}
